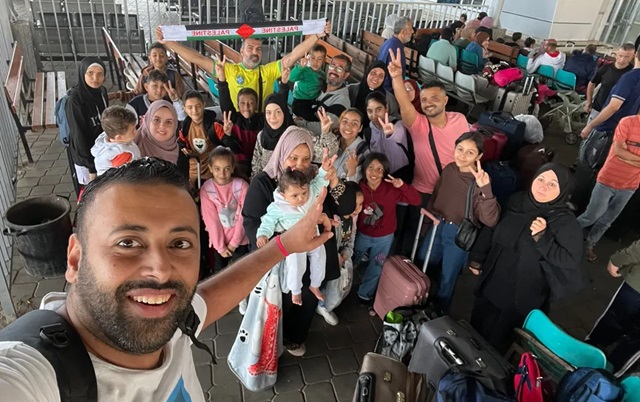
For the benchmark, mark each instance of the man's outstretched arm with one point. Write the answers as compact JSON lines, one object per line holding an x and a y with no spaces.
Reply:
{"x":225,"y":290}
{"x":190,"y":55}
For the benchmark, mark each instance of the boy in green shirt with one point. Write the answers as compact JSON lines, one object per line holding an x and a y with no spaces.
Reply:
{"x":308,"y":77}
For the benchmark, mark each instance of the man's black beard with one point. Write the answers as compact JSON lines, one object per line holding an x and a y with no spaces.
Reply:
{"x":107,"y":318}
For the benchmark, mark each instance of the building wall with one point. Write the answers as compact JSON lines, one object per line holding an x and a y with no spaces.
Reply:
{"x":8,"y":149}
{"x":559,"y":19}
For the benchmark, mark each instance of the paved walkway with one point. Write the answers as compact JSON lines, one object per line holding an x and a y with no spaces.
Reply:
{"x":329,"y":370}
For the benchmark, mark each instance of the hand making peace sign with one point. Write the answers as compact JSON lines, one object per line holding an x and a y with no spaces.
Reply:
{"x":227,"y":124}
{"x":387,"y":127}
{"x":397,"y":183}
{"x":395,"y":66}
{"x":171,"y":91}
{"x":482,"y":177}
{"x":325,"y":120}
{"x":219,"y":64}
{"x":327,"y":163}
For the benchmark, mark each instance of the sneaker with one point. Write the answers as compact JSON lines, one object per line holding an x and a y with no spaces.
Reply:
{"x":295,"y":349}
{"x":329,"y":316}
{"x":591,"y":255}
{"x":242,"y":307}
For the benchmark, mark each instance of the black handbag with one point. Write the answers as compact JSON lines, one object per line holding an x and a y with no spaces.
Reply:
{"x":467,"y":231}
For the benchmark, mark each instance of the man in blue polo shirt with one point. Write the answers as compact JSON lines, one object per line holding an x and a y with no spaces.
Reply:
{"x":623,"y":101}
{"x":402,"y":32}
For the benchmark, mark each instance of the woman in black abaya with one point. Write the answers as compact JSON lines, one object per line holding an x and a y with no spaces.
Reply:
{"x":531,"y":257}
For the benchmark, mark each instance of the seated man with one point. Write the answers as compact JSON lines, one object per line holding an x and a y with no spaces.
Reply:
{"x":516,"y":40}
{"x":443,"y":51}
{"x":334,"y":98}
{"x":548,"y":55}
{"x":157,"y":86}
{"x":583,"y":65}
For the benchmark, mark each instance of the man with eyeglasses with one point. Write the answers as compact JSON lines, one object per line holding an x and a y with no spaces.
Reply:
{"x":334,"y":98}
{"x":402,"y":32}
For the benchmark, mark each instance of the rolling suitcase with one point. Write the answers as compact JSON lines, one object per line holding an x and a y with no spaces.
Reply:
{"x":513,"y":101}
{"x":494,"y":142}
{"x":506,"y":123}
{"x":445,"y":343}
{"x":401,"y":282}
{"x":383,"y":379}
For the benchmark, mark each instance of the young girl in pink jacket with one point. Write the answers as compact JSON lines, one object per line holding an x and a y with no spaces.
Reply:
{"x":221,"y":201}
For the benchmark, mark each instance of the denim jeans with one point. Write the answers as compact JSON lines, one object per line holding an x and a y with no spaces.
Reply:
{"x":604,"y":207}
{"x":453,"y":259}
{"x":377,"y":248}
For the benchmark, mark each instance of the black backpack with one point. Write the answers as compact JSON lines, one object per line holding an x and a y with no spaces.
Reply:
{"x":52,"y":335}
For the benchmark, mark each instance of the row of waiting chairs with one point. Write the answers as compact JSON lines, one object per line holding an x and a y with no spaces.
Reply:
{"x":561,"y":79}
{"x":462,"y":86}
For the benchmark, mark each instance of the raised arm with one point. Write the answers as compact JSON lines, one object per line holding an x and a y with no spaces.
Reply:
{"x":224,"y":291}
{"x":191,"y":56}
{"x":303,"y":48}
{"x":407,"y":110}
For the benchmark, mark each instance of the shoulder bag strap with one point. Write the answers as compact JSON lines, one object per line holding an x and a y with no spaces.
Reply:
{"x":434,"y":151}
{"x":467,"y":208}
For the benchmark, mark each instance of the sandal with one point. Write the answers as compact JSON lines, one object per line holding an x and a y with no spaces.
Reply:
{"x":591,"y":255}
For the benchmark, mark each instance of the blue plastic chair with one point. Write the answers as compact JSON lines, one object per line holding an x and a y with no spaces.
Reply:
{"x":213,"y":87}
{"x":571,"y":350}
{"x":631,"y":386}
{"x":468,"y":62}
{"x":522,"y":61}
{"x":565,"y":80}
{"x":546,"y":71}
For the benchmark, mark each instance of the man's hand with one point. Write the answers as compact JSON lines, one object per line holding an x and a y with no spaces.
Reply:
{"x":395,"y":66}
{"x":585,"y":132}
{"x":219,"y":64}
{"x":327,"y":30}
{"x":160,"y":35}
{"x":303,"y":236}
{"x":613,"y":270}
{"x":587,"y":107}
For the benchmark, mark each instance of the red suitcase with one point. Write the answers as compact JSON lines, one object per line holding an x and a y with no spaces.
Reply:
{"x":494,"y":142}
{"x":401,"y":282}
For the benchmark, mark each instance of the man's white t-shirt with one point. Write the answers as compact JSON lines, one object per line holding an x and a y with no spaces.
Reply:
{"x":25,"y":375}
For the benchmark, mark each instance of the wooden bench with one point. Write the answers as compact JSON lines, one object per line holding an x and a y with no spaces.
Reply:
{"x":371,"y":44}
{"x":426,"y":31}
{"x":32,"y":102}
{"x":504,"y":52}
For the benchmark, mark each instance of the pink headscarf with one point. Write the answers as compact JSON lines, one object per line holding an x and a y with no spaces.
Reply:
{"x":149,"y":146}
{"x":290,"y":139}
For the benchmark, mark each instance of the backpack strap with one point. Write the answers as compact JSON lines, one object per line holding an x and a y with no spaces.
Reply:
{"x":52,"y":335}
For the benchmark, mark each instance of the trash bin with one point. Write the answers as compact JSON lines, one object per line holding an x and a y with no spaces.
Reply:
{"x":41,"y":227}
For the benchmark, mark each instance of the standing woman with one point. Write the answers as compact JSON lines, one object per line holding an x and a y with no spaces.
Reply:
{"x":294,"y":150}
{"x":277,"y":120}
{"x":532,"y":256}
{"x":85,"y":105}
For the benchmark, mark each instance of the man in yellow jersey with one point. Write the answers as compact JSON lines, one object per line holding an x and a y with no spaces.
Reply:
{"x":247,"y":73}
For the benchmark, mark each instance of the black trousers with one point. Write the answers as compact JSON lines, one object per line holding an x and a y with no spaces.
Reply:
{"x":296,"y":319}
{"x":408,"y":225}
{"x":585,"y":180}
